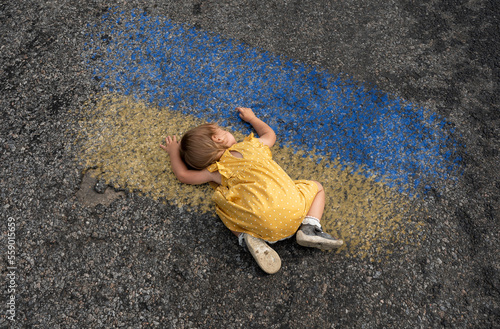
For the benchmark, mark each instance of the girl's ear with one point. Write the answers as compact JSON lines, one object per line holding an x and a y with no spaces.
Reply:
{"x":216,"y":139}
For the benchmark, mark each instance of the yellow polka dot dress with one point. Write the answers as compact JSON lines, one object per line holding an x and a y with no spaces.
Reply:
{"x":256,"y":196}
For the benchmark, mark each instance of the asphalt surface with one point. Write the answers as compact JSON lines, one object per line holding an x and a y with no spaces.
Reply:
{"x":119,"y":259}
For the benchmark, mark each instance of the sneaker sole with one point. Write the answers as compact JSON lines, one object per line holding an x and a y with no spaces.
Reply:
{"x":267,"y":259}
{"x":317,"y":242}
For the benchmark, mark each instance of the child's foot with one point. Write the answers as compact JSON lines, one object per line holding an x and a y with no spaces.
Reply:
{"x":313,"y":236}
{"x":268,"y":259}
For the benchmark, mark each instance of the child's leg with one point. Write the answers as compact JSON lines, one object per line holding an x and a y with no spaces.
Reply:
{"x":318,"y":205}
{"x":310,"y":233}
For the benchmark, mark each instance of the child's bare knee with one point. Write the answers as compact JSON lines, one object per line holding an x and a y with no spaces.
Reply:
{"x":320,"y":187}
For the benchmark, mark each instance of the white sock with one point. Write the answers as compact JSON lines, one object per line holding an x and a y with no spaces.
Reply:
{"x":241,"y":238}
{"x":311,"y":221}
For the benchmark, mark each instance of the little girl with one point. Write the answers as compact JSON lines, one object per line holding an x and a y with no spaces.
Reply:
{"x":254,"y":197}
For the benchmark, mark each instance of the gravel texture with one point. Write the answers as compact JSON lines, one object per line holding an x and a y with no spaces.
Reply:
{"x":132,"y":262}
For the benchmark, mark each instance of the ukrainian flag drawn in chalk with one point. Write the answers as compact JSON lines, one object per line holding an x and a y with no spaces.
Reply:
{"x":204,"y":75}
{"x":370,"y":151}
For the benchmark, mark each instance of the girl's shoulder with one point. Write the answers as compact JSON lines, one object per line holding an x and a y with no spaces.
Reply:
{"x":252,"y":140}
{"x":251,"y":145}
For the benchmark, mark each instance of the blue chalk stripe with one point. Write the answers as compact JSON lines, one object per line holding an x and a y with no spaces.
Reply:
{"x":202,"y":74}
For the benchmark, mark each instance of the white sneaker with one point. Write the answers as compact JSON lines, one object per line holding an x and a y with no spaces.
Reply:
{"x":268,"y":259}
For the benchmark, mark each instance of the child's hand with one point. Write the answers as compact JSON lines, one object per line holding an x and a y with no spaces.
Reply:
{"x":266,"y":133}
{"x":171,"y":145}
{"x":246,"y":114}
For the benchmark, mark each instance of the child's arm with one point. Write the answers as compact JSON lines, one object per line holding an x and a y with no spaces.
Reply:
{"x":266,"y":133}
{"x":180,"y":169}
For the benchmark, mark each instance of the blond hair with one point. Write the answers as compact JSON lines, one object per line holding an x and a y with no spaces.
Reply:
{"x":198,"y":149}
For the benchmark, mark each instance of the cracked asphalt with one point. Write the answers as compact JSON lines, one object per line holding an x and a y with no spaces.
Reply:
{"x":120,"y":259}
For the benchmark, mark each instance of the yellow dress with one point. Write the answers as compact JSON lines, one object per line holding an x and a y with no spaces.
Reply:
{"x":256,"y":196}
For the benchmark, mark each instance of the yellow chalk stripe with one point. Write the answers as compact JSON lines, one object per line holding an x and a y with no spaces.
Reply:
{"x":120,"y":137}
